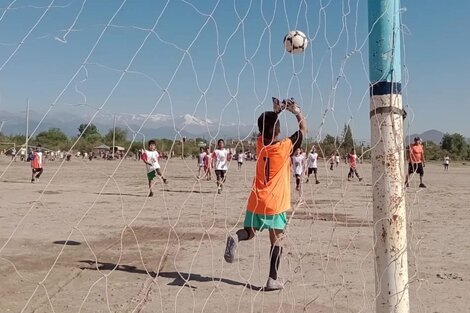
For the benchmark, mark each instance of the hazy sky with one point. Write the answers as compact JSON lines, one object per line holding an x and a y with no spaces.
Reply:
{"x":223,"y":60}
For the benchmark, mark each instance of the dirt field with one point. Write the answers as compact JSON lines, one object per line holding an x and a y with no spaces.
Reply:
{"x":125,"y":252}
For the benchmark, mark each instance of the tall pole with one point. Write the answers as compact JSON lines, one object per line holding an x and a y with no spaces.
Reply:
{"x":1,"y":126}
{"x":114,"y":135}
{"x":387,"y":157}
{"x":27,"y":128}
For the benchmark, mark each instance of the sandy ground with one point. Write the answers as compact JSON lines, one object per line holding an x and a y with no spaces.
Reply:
{"x":129,"y":253}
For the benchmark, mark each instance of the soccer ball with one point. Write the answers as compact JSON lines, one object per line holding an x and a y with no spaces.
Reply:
{"x":295,"y":41}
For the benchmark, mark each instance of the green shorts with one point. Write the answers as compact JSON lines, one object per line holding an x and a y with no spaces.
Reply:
{"x":262,"y":221}
{"x":151,"y":175}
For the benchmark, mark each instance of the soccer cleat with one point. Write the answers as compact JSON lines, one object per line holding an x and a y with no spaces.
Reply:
{"x":422,"y":185}
{"x":317,"y":182}
{"x":32,"y":180}
{"x":151,"y":194}
{"x":219,"y":190}
{"x":306,"y":181}
{"x":360,"y":179}
{"x":165,"y":181}
{"x":230,"y":248}
{"x":273,"y":284}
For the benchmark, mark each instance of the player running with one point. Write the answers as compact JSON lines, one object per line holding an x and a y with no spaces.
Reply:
{"x":151,"y":157}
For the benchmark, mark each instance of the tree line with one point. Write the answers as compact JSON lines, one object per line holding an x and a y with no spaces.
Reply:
{"x":88,"y":137}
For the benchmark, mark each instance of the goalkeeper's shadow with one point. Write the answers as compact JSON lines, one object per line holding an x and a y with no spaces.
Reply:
{"x":179,"y":278}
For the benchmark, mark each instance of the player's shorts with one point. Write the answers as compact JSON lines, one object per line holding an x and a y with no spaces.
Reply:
{"x":416,"y":168}
{"x":151,"y":175}
{"x":312,"y":170}
{"x":37,"y":170}
{"x":220,"y":174}
{"x":262,"y":221}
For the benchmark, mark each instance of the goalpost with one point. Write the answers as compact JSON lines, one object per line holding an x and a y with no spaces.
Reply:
{"x":387,"y":158}
{"x":205,"y":69}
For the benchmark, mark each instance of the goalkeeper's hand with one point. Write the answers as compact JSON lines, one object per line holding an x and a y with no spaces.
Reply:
{"x":278,"y":106}
{"x":291,"y":106}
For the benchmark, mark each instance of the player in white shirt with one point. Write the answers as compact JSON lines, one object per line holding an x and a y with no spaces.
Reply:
{"x":312,"y":164}
{"x":150,"y":158}
{"x":13,"y":154}
{"x":337,"y":159}
{"x":23,"y":154}
{"x":220,"y":159}
{"x":240,"y":159}
{"x":446,"y":162}
{"x":200,"y":162}
{"x":298,"y":167}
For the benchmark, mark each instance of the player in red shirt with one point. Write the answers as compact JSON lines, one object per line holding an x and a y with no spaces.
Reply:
{"x":415,"y":155}
{"x":352,"y":160}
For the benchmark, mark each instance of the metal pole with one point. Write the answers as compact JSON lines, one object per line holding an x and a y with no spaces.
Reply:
{"x":27,"y":128}
{"x":387,"y":157}
{"x":1,"y":126}
{"x":114,"y":135}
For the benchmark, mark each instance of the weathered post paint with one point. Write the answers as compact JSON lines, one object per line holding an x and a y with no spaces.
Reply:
{"x":386,"y":120}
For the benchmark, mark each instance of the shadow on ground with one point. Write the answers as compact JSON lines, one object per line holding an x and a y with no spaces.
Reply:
{"x":179,"y":278}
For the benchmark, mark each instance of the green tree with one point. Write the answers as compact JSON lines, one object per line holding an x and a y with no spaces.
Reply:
{"x":432,"y":151}
{"x":455,"y":144}
{"x":348,"y":141}
{"x":87,"y":144}
{"x":53,"y":138}
{"x":87,"y":131}
{"x":18,"y":139}
{"x":327,"y":146}
{"x":329,"y":140}
{"x":120,"y":136}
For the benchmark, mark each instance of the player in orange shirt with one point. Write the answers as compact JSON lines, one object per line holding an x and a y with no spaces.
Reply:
{"x":37,"y":162}
{"x":352,"y":161}
{"x":270,"y":195}
{"x":415,"y":154}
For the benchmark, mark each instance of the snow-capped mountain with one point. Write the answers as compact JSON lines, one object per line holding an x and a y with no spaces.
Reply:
{"x":155,"y":125}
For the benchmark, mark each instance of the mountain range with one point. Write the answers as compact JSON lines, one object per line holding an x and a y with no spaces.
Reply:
{"x":151,"y":126}
{"x":432,"y":135}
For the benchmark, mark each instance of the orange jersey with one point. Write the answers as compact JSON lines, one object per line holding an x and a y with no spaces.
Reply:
{"x":416,"y":153}
{"x":36,"y":161}
{"x":352,"y":160}
{"x":270,"y":193}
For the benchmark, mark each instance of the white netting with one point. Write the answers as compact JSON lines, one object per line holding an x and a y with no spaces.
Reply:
{"x":87,"y":238}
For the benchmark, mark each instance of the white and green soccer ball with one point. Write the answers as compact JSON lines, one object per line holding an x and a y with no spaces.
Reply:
{"x":295,"y":41}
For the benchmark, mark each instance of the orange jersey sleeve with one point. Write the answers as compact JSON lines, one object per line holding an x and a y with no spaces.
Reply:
{"x":270,"y":193}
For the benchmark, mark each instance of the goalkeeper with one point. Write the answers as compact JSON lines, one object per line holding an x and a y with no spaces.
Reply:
{"x":270,"y":195}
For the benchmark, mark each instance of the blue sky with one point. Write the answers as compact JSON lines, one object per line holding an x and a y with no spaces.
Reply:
{"x":230,"y":69}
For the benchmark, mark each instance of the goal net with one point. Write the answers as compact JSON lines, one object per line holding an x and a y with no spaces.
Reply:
{"x":102,"y":78}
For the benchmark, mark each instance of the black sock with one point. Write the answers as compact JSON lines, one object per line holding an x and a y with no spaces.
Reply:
{"x":275,"y":255}
{"x":243,"y":234}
